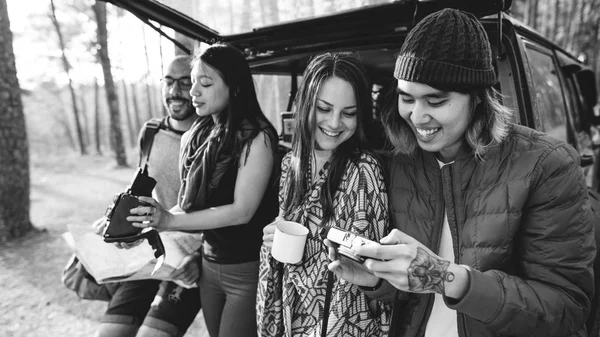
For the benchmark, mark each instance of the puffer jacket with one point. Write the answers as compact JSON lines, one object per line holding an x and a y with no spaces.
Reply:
{"x":520,"y":220}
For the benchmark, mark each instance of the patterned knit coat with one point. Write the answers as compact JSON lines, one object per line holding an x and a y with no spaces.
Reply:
{"x":291,"y":297}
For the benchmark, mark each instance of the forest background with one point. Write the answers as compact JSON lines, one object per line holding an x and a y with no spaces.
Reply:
{"x":69,"y":122}
{"x":64,"y":91}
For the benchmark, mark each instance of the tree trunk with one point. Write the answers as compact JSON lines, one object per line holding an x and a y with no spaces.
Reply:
{"x":270,"y":12}
{"x":130,"y":126}
{"x":162,"y":73}
{"x":67,"y":69}
{"x":136,"y":108}
{"x":158,"y":95}
{"x":544,"y":20}
{"x":97,"y":117}
{"x":63,"y":119}
{"x":594,"y":38}
{"x":116,"y":135}
{"x":85,"y":117}
{"x":246,"y":20}
{"x":160,"y":52}
{"x":556,"y":23}
{"x":569,"y":19}
{"x":14,"y":151}
{"x":581,"y":25}
{"x":531,"y":13}
{"x":186,"y":41}
{"x":577,"y":22}
{"x":148,"y":89}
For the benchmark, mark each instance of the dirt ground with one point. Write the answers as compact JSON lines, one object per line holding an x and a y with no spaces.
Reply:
{"x":33,"y":302}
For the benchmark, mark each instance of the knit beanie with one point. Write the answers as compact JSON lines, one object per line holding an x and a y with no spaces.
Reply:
{"x":448,"y":47}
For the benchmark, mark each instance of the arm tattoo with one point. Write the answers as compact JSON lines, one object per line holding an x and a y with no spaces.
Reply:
{"x":428,"y":273}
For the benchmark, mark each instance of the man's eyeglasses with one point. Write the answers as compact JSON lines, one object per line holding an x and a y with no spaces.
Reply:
{"x":184,"y":82}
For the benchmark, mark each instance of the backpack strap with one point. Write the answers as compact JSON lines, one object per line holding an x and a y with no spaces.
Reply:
{"x":150,"y":129}
{"x":326,"y":306}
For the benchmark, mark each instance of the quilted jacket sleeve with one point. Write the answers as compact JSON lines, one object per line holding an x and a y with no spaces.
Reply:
{"x":555,"y":253}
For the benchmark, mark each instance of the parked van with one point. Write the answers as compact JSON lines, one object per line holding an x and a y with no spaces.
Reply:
{"x":548,"y":88}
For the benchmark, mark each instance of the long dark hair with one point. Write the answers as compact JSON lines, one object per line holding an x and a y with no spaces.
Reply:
{"x":243,"y":104}
{"x":346,"y":66}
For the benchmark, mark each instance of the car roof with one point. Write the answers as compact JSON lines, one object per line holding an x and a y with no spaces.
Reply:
{"x":343,"y":29}
{"x":376,"y":32}
{"x":178,"y":14}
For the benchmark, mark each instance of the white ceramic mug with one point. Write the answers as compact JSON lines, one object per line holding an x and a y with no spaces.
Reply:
{"x":289,"y":241}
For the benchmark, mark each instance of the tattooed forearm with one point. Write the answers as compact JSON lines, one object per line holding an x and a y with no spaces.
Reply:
{"x":428,"y":273}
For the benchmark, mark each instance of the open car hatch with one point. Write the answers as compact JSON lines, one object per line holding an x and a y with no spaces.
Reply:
{"x":372,"y":24}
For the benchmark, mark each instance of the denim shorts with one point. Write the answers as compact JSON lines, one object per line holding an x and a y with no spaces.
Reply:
{"x":160,"y":305}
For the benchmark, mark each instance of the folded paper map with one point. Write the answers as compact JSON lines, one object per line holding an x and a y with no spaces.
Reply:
{"x":107,"y":263}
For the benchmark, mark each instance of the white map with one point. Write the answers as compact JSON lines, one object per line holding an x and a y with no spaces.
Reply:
{"x":107,"y":263}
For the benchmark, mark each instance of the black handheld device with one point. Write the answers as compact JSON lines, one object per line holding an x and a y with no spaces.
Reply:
{"x":118,"y":229}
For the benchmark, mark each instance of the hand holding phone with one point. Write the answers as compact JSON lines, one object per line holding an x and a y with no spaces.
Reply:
{"x":346,"y":241}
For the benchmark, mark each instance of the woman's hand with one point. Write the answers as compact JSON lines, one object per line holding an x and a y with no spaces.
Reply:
{"x":151,"y":215}
{"x":269,"y":232}
{"x":410,"y":266}
{"x":349,"y":270}
{"x":188,"y":270}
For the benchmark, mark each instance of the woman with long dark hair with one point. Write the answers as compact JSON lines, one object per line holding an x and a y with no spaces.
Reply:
{"x":229,"y":178}
{"x":328,"y":179}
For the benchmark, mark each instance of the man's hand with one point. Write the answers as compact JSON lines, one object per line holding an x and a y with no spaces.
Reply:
{"x":125,"y":245}
{"x":98,"y":228}
{"x":98,"y":225}
{"x":188,"y":270}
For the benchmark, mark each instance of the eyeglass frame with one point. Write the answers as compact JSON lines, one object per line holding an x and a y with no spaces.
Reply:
{"x":181,"y":85}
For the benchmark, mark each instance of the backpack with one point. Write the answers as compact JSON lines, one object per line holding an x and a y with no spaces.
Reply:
{"x":150,"y":128}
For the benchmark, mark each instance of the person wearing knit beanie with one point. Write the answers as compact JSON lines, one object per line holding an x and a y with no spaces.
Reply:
{"x":492,"y":230}
{"x":448,"y":47}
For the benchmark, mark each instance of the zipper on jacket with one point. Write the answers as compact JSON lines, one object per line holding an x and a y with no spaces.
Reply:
{"x":453,"y":224}
{"x":461,"y":318}
{"x":461,"y":324}
{"x":462,"y":330}
{"x":435,"y":246}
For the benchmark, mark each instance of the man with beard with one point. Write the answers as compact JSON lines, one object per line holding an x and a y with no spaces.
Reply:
{"x":151,"y":307}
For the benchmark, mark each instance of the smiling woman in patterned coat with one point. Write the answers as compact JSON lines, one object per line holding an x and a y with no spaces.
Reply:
{"x":329,"y":178}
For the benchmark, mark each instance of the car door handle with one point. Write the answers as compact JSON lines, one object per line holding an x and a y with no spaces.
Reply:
{"x":587,"y":160}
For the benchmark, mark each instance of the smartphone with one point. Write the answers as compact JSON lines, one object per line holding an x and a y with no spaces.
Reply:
{"x":346,"y":241}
